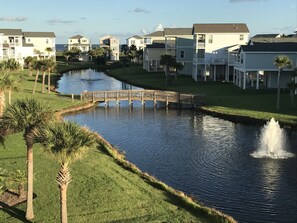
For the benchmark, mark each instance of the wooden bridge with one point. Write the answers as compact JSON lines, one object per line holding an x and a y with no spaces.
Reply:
{"x":144,"y":95}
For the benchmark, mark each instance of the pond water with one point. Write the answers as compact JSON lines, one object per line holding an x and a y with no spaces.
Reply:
{"x":203,"y":156}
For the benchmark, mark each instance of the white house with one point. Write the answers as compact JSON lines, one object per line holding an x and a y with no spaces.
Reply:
{"x":255,"y":65}
{"x":111,"y":43}
{"x":11,"y":44}
{"x":136,"y":41}
{"x":80,"y":42}
{"x":18,"y":45}
{"x":44,"y":43}
{"x":211,"y":45}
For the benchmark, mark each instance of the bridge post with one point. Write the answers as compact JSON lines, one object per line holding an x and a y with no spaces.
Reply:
{"x":167,"y":102}
{"x":117,"y":98}
{"x":155,"y":99}
{"x":130,"y":100}
{"x":142,"y":101}
{"x":93,"y":97}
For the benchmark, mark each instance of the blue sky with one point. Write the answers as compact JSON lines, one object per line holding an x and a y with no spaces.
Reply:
{"x":125,"y":18}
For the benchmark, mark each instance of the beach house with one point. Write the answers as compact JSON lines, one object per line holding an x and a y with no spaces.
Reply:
{"x":80,"y":42}
{"x":137,"y":41}
{"x":255,"y":64}
{"x":16,"y":44}
{"x":212,"y":45}
{"x":112,"y":44}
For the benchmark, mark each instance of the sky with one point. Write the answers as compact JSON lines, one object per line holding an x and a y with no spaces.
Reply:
{"x":126,"y":18}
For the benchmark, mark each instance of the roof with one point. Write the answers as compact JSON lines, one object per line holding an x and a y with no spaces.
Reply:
{"x":155,"y":34}
{"x":286,"y":39}
{"x":266,"y":36}
{"x":220,"y":28}
{"x":39,"y":34}
{"x":76,"y":37}
{"x":270,"y":47}
{"x":135,"y":37}
{"x":177,"y":31}
{"x":12,"y":32}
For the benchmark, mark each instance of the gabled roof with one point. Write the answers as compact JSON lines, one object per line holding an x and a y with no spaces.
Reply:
{"x":136,"y":37}
{"x":177,"y":31}
{"x":220,"y":28}
{"x":39,"y":34}
{"x":270,"y":47}
{"x":156,"y":34}
{"x":12,"y":32}
{"x":76,"y":37}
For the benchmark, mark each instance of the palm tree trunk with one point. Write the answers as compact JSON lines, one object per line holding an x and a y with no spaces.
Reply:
{"x":63,"y":179}
{"x":278,"y":90}
{"x":43,"y":82}
{"x":35,"y":83}
{"x":2,"y":102}
{"x":29,"y":211}
{"x":49,"y":82}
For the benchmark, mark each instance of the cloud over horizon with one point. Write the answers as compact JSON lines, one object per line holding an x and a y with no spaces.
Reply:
{"x":13,"y":18}
{"x":140,"y":10}
{"x":60,"y":21}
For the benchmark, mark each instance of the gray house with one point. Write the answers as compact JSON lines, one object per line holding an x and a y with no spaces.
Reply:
{"x":255,"y":64}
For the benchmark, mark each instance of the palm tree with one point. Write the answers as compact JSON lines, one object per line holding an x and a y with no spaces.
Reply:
{"x":66,"y":142}
{"x":37,"y":65}
{"x":7,"y":81}
{"x":48,"y":50}
{"x":170,"y":63}
{"x":27,"y":115}
{"x":29,"y":61}
{"x":10,"y":82}
{"x":67,"y":54}
{"x":51,"y":65}
{"x":281,"y":62}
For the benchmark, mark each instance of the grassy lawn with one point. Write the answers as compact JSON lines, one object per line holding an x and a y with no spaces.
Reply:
{"x":104,"y":188}
{"x":221,"y":97}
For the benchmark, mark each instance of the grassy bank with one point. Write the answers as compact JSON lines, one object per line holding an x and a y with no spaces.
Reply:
{"x":222,"y":98}
{"x":105,"y":187}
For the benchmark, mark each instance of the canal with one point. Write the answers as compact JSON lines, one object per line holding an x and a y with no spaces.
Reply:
{"x":205,"y":157}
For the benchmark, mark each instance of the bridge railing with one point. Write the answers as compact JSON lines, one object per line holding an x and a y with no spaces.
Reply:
{"x":144,"y":95}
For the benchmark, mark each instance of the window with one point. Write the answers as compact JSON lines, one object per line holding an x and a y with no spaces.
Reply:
{"x":201,"y":53}
{"x":182,"y":54}
{"x":29,"y":40}
{"x":210,"y":39}
{"x":241,"y":37}
{"x":133,"y":42}
{"x":201,"y":38}
{"x":47,"y":41}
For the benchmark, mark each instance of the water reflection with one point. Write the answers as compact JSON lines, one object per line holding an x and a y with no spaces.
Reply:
{"x":203,"y":156}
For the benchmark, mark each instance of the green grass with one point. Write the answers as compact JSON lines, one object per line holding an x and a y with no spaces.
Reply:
{"x":101,"y":191}
{"x":221,"y":97}
{"x":105,"y":187}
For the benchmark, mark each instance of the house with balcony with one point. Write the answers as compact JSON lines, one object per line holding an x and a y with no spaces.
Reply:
{"x":11,"y":45}
{"x":16,"y":44}
{"x":214,"y":47}
{"x":112,"y":44}
{"x":137,"y":41}
{"x":154,"y":47}
{"x":255,"y":67}
{"x":43,"y":44}
{"x":179,"y":44}
{"x":80,"y":42}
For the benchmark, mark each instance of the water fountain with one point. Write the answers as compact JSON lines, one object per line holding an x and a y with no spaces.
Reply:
{"x":272,"y":142}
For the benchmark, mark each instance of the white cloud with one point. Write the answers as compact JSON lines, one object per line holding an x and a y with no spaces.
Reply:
{"x":159,"y":27}
{"x":13,"y":19}
{"x":56,"y":21}
{"x":140,"y":10}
